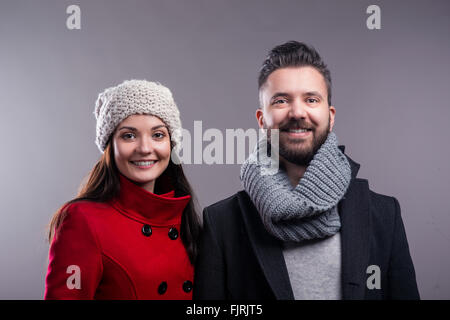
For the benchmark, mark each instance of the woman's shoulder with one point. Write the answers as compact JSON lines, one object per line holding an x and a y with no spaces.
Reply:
{"x":85,"y":209}
{"x":83,"y":205}
{"x":81,"y":216}
{"x":77,"y":225}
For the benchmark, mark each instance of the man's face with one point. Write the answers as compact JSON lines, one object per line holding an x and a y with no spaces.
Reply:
{"x":292,"y":100}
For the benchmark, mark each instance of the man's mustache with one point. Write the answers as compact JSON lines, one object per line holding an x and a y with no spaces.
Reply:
{"x":295,"y":125}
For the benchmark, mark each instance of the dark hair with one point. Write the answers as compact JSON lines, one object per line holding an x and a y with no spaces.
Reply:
{"x":103,"y":184}
{"x":294,"y":54}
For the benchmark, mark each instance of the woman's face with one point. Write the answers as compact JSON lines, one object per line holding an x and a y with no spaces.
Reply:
{"x":142,"y":149}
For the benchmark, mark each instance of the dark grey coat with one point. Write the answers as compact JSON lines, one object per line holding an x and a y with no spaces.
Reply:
{"x":239,"y":259}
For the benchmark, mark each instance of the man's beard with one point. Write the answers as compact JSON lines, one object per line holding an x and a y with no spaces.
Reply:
{"x":302,"y":156}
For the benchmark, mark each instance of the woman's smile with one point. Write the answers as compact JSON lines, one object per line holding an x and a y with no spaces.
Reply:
{"x":144,"y":164}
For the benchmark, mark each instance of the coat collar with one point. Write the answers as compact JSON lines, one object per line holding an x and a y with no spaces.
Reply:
{"x":354,"y":213}
{"x":139,"y":204}
{"x":353,"y":165}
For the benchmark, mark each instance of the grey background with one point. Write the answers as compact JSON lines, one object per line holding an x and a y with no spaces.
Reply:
{"x":390,"y":91}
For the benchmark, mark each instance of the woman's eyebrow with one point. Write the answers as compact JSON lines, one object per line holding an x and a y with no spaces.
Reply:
{"x":159,"y":126}
{"x":128,"y":128}
{"x":134,"y":129}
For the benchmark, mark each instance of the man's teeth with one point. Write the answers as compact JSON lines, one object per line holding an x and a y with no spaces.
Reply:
{"x":143,"y":163}
{"x":299,"y":130}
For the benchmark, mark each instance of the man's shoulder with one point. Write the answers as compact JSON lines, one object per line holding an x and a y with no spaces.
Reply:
{"x":378,"y":199}
{"x":227,"y":204}
{"x":228,"y":207}
{"x":382,"y":201}
{"x":384,"y":208}
{"x":226,"y":217}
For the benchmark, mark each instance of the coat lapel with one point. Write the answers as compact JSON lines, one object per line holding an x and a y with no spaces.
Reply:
{"x":354,"y":213}
{"x":267,"y":250}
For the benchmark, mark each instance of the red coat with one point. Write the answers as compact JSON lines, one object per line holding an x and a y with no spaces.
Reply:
{"x":128,"y":248}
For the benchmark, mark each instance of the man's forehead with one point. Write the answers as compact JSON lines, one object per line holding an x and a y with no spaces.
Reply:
{"x":295,"y":80}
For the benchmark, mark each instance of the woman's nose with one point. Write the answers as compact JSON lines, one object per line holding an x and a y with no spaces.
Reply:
{"x":145,"y":145}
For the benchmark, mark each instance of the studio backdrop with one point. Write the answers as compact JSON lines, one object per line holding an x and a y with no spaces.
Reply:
{"x":389,"y":68}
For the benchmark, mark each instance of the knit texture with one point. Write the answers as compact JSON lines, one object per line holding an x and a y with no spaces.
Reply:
{"x":135,"y":97}
{"x":308,"y":210}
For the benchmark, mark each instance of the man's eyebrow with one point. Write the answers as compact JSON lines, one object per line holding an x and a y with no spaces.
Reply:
{"x":312,"y":93}
{"x":280,"y":94}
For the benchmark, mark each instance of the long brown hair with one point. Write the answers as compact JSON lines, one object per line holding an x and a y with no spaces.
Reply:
{"x":103,"y":184}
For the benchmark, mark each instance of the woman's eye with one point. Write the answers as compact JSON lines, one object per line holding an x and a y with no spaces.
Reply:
{"x":159,"y":135}
{"x":128,"y":136}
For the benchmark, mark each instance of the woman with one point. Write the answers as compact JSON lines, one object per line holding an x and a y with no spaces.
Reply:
{"x":131,"y":232}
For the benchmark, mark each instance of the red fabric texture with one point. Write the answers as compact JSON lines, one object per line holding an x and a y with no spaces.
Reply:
{"x":115,"y":259}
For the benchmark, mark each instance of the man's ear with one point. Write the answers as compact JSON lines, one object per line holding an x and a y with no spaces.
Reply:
{"x":259,"y":117}
{"x":332,"y":111}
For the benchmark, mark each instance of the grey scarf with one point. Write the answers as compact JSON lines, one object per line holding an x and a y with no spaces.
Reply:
{"x":307,"y":211}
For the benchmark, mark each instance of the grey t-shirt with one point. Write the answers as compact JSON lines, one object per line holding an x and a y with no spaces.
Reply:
{"x":314,"y":268}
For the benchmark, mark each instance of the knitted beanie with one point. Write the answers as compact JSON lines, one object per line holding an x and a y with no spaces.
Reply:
{"x":131,"y":97}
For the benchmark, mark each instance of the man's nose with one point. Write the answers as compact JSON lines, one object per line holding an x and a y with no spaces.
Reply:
{"x":297,"y":110}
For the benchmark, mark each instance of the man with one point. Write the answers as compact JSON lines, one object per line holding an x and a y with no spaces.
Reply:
{"x":312,"y":230}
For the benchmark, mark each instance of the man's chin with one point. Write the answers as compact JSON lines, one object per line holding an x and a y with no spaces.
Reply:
{"x":301,"y":157}
{"x":297,"y":146}
{"x":302,"y":161}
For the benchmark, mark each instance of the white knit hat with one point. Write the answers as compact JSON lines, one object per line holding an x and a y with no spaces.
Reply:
{"x":135,"y":97}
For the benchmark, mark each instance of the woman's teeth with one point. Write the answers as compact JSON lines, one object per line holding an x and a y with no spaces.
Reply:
{"x":143,"y":163}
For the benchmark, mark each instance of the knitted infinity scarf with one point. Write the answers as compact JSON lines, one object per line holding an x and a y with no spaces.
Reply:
{"x":307,"y":211}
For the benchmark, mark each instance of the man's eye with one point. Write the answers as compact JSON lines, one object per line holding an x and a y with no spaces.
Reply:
{"x":279,"y":101}
{"x":312,"y":100}
{"x":128,"y":136}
